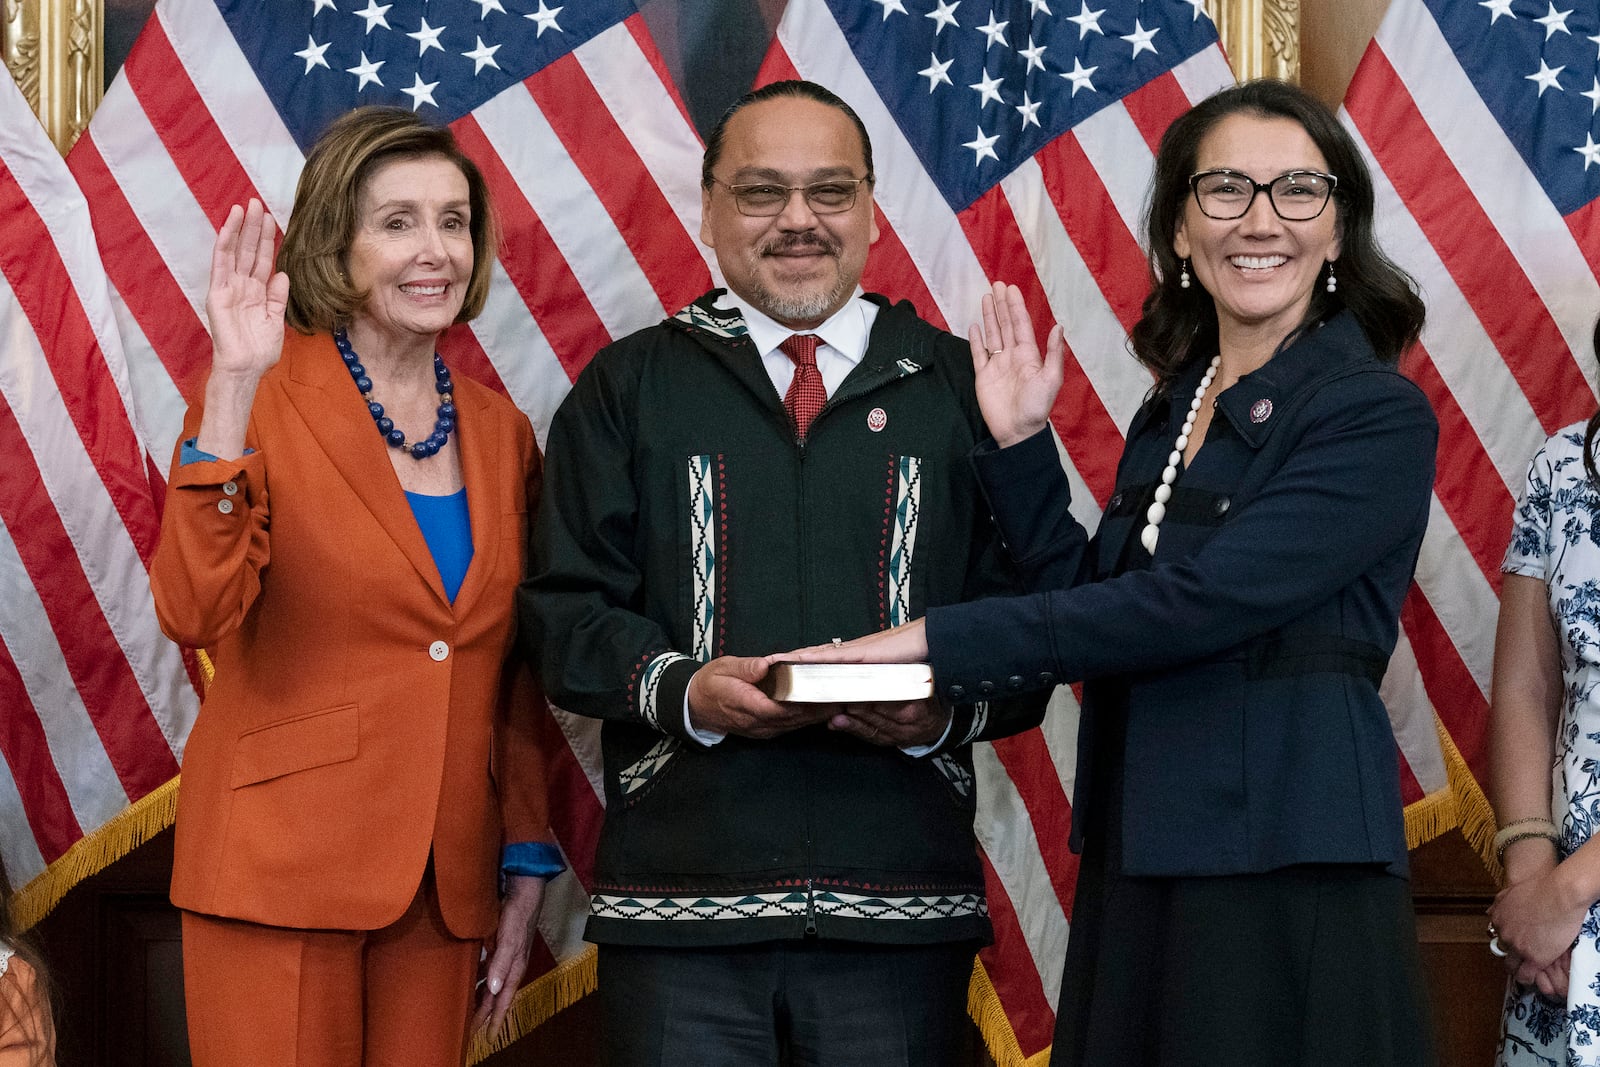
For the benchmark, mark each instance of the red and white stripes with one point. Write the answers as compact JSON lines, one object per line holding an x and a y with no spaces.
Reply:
{"x":1506,"y":358}
{"x":96,"y":703}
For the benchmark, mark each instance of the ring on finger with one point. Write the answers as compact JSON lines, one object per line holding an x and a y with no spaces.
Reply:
{"x":994,"y":351}
{"x":1495,"y":948}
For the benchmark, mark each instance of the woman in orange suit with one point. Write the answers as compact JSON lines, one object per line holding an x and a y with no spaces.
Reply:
{"x":344,"y":531}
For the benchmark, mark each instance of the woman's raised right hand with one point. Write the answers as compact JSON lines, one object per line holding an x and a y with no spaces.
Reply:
{"x":1016,"y":386}
{"x":245,"y":299}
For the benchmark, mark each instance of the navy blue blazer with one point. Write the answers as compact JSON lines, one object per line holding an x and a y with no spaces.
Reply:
{"x":1252,"y":647}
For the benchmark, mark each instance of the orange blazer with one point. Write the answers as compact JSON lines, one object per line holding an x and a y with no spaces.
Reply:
{"x":358,"y":719}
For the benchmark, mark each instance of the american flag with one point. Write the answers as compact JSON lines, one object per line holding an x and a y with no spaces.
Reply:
{"x":1013,"y":140}
{"x":594,"y":168}
{"x":1478,"y":120}
{"x":94,"y":702}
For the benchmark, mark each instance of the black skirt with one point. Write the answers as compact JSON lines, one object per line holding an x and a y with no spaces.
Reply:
{"x":1308,"y":966}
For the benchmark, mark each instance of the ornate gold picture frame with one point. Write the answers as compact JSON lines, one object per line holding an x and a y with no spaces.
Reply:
{"x":56,"y":51}
{"x":1261,"y":37}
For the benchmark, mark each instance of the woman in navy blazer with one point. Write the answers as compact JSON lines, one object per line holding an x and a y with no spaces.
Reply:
{"x":1242,"y":895}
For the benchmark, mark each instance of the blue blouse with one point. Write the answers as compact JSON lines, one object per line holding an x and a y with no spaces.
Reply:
{"x":448,"y":531}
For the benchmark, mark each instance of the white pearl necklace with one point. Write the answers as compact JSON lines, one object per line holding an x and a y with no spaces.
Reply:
{"x":1158,"y":510}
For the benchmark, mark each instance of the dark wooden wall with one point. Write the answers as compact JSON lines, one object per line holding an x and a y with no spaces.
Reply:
{"x":1451,"y":891}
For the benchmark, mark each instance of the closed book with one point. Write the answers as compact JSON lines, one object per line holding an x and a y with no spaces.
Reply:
{"x":849,"y":683}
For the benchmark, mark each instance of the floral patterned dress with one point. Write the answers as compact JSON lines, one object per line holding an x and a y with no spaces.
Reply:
{"x":1556,"y":538}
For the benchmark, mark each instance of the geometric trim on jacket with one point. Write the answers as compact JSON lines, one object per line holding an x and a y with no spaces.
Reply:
{"x":905,"y":488}
{"x":707,"y":495}
{"x":959,"y":777}
{"x":728,"y":326}
{"x":792,"y":903}
{"x":650,"y":686}
{"x":639,"y":774}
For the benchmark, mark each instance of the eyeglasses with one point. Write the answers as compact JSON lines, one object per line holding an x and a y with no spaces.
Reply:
{"x":1296,"y":195}
{"x":764,"y":199}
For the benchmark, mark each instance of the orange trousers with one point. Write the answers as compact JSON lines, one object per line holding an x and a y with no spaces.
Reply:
{"x":396,"y":997}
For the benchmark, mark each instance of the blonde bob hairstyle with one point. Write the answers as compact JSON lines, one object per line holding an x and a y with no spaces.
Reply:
{"x":327,"y":209}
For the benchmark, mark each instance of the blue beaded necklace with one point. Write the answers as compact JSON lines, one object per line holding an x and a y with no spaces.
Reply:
{"x":443,"y":424}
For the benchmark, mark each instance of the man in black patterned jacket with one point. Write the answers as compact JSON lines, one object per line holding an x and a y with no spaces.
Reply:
{"x":772,"y":876}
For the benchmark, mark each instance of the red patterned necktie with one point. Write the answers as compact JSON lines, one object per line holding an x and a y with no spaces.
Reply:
{"x":806,"y":394}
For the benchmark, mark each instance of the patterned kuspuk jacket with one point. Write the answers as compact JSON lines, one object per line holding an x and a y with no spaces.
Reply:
{"x":682,"y":521}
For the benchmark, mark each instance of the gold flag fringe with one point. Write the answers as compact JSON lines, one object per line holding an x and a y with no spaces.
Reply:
{"x":100,"y":848}
{"x":1428,"y":818}
{"x":1460,"y":805}
{"x":983,"y":1004}
{"x":96,"y":851}
{"x":538,"y":1001}
{"x":1474,"y":815}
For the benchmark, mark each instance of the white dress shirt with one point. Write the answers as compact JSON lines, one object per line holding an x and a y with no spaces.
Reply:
{"x":842,"y":341}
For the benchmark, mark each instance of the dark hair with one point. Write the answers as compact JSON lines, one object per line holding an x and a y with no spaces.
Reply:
{"x":794,"y":88}
{"x":1593,"y":429}
{"x":1177,"y":322}
{"x":327,"y":209}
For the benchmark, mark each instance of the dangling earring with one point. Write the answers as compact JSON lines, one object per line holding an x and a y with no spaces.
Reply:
{"x":1183,"y":275}
{"x":1333,"y":283}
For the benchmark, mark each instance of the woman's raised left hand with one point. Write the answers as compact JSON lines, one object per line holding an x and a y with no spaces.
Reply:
{"x":1016,"y":383}
{"x":508,"y":954}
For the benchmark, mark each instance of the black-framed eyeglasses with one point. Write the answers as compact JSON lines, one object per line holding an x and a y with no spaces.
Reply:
{"x":766,"y":199}
{"x":1296,"y":195}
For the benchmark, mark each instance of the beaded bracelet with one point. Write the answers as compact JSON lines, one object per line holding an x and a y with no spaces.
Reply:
{"x":1523,"y":830}
{"x":1507,"y":829}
